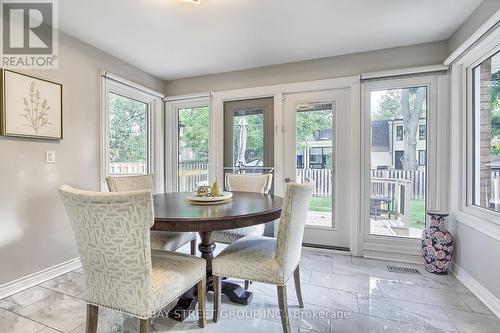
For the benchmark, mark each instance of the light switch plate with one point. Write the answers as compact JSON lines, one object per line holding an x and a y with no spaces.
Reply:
{"x":50,"y":157}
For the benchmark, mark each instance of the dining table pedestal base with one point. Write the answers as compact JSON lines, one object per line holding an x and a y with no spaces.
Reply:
{"x":187,"y":302}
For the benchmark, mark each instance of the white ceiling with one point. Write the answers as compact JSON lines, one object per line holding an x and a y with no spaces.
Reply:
{"x":175,"y":38}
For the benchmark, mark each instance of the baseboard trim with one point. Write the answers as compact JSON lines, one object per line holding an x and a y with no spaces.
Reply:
{"x":477,"y":289}
{"x":34,"y":279}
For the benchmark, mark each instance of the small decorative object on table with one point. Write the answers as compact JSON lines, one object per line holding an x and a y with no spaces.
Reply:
{"x":209,"y":195}
{"x":204,"y":191}
{"x":437,"y":244}
{"x":216,"y":192}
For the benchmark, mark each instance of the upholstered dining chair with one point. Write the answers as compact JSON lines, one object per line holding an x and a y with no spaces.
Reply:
{"x":258,"y":183}
{"x":269,"y":260}
{"x":160,"y":240}
{"x":119,"y":270}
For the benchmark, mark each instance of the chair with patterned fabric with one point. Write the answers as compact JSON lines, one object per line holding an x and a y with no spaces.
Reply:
{"x":160,"y":240}
{"x":260,"y":183}
{"x":269,"y":260}
{"x":119,"y":270}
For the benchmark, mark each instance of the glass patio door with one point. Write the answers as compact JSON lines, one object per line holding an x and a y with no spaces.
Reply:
{"x":312,"y":121}
{"x":398,"y":160}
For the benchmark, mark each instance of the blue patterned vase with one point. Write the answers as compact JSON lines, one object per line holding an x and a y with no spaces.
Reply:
{"x":437,"y":244}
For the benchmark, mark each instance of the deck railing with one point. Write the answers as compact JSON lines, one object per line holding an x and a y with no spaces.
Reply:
{"x":191,"y":174}
{"x":323,"y":179}
{"x":127,"y":168}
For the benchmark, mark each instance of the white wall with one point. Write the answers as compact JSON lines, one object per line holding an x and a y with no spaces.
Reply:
{"x":324,"y":68}
{"x":34,"y":231}
{"x":475,"y":20}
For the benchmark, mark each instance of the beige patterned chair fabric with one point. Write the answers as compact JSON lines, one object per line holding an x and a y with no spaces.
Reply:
{"x":113,"y":240}
{"x":130,"y":183}
{"x":244,"y":183}
{"x":160,"y":240}
{"x":267,"y":259}
{"x":256,"y":183}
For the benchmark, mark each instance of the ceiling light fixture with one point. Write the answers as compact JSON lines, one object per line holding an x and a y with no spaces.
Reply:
{"x":196,"y":1}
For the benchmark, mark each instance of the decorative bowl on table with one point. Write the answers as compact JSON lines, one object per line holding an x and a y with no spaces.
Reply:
{"x":195,"y":198}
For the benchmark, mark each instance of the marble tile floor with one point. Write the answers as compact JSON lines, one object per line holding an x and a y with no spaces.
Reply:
{"x":343,"y":294}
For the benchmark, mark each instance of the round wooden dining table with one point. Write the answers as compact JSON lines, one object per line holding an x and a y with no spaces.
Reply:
{"x":174,"y":213}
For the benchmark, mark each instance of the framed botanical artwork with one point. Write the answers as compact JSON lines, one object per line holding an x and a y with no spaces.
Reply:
{"x":30,"y":107}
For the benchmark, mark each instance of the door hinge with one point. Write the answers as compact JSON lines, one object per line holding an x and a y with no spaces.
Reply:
{"x":282,"y":128}
{"x":283,"y":97}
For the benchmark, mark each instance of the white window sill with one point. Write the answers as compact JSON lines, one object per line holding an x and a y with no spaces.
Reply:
{"x":488,"y":225}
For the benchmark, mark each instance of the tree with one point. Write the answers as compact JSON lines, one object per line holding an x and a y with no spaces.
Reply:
{"x":408,"y":104}
{"x":194,"y":123}
{"x":412,"y":103}
{"x":195,"y":129}
{"x":309,"y":123}
{"x":127,"y":129}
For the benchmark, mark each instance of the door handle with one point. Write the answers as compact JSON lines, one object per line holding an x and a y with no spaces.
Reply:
{"x":288,"y":180}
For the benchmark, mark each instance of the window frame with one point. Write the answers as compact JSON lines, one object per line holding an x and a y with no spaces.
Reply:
{"x":481,"y":52}
{"x":424,"y":137}
{"x":436,"y":104}
{"x":154,"y":145}
{"x":420,"y":151}
{"x":172,"y":135}
{"x":398,"y":136}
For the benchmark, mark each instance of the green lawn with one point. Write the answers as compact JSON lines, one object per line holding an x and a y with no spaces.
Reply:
{"x":417,"y":218}
{"x":321,"y":204}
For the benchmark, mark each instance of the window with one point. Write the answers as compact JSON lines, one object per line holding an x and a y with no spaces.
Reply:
{"x":421,"y":157}
{"x":132,"y":131}
{"x":422,"y":132}
{"x":320,"y":158}
{"x":192,"y":129}
{"x":486,"y":134}
{"x":398,"y":194}
{"x":399,"y":133}
{"x":128,"y":136}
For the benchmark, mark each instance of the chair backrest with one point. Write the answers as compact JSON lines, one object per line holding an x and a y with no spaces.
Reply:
{"x":291,"y":225}
{"x":112,"y":237}
{"x":129,"y":183}
{"x":258,"y":183}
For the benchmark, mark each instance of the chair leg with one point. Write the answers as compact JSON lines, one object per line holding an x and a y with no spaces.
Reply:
{"x":193,"y":247}
{"x":144,"y":326}
{"x":247,"y":284}
{"x":217,"y":297}
{"x":92,"y":317}
{"x":298,"y":289}
{"x":283,"y":305}
{"x":202,"y":320}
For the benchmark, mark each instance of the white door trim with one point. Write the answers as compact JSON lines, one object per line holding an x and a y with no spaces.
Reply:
{"x":172,"y":135}
{"x":278,"y":92}
{"x":437,"y":163}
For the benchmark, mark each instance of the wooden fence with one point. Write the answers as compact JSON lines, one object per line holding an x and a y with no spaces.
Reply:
{"x":192,"y":173}
{"x":323,"y":179}
{"x":416,"y":178}
{"x":127,"y":168}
